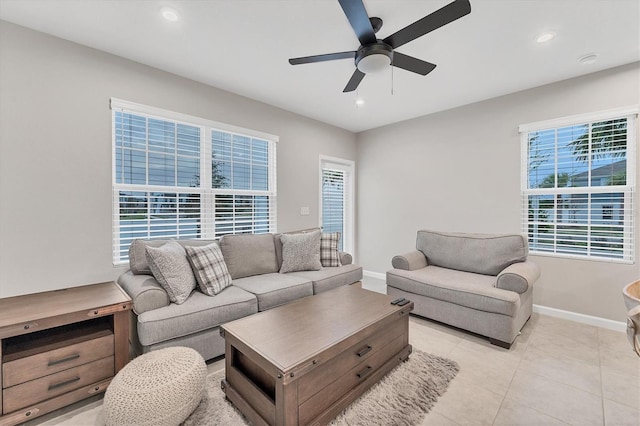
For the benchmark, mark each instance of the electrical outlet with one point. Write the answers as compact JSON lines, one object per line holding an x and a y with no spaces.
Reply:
{"x":304,"y":211}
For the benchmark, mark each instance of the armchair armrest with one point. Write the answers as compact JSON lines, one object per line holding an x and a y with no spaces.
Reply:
{"x":144,"y":290}
{"x":345,"y":258}
{"x":518,"y":277}
{"x":409,"y":261}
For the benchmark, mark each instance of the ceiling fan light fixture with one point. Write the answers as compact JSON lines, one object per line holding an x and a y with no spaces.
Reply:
{"x":374,"y":63}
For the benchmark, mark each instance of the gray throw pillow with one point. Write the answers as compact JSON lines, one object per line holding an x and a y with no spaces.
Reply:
{"x":172,"y":270}
{"x":209,"y":268}
{"x":329,"y":255}
{"x":301,"y":252}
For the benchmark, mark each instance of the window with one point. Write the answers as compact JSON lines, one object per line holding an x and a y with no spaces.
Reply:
{"x":336,"y":192}
{"x":578,"y":185}
{"x":176,"y":176}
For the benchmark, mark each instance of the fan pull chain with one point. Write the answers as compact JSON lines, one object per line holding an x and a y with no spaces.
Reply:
{"x":391,"y":80}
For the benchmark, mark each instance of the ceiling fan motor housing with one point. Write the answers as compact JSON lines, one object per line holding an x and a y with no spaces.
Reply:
{"x":374,"y":57}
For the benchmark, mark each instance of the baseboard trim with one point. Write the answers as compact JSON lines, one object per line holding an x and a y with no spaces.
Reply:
{"x":581,"y":318}
{"x":377,"y":275}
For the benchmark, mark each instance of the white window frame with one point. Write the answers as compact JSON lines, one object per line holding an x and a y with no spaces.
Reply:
{"x":207,"y":193}
{"x":348,"y":167}
{"x":631,"y":114}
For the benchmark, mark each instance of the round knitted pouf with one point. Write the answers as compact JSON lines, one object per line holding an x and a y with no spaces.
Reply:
{"x":161,"y":387}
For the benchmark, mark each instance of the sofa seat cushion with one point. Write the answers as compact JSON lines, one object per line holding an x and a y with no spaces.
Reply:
{"x":275,"y":289}
{"x":199,"y":312}
{"x":474,"y":291}
{"x":329,"y":278}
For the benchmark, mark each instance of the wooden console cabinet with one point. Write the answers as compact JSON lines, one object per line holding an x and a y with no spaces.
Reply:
{"x":60,"y":347}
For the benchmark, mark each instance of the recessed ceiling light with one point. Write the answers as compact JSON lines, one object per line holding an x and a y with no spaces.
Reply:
{"x":588,"y":59}
{"x":545,"y":37}
{"x":169,"y":14}
{"x":359,"y":102}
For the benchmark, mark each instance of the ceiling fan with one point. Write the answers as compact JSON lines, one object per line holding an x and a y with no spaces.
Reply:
{"x":374,"y":54}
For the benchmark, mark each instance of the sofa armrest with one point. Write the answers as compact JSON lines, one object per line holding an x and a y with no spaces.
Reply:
{"x":410,"y":261}
{"x":145,"y":292}
{"x":518,"y":277}
{"x":345,"y":258}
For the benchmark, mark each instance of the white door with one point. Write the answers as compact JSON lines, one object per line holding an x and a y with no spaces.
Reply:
{"x":336,"y":199}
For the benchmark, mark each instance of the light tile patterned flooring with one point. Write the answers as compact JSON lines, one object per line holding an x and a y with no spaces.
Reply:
{"x":557,"y":372}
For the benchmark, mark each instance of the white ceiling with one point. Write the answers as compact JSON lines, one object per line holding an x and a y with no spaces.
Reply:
{"x":243,"y":46}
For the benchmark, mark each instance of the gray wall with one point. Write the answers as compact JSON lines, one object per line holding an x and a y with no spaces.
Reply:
{"x":459,"y":170}
{"x":55,"y":154}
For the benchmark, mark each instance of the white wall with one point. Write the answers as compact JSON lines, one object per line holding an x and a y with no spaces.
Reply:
{"x":55,"y":154}
{"x":459,"y":170}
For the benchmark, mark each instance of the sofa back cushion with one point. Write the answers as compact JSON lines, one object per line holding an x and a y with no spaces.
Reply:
{"x":249,"y":254}
{"x":138,"y":257}
{"x":486,"y":254}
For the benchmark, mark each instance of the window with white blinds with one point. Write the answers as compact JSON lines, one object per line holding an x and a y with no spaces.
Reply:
{"x":578,"y":186}
{"x":176,"y":176}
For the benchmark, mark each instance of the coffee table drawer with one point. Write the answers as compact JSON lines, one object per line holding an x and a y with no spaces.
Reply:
{"x":25,"y":394}
{"x":331,"y":393}
{"x":326,"y":373}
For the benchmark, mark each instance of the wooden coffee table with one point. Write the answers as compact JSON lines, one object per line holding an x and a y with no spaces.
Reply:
{"x":304,"y":362}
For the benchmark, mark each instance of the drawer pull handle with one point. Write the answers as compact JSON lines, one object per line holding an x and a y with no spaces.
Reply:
{"x":364,"y":351}
{"x":61,"y":384}
{"x":63,"y":360}
{"x":364,"y":373}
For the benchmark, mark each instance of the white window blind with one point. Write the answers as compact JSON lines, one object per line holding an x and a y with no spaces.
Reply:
{"x":578,"y":187}
{"x":176,"y":176}
{"x":333,"y":202}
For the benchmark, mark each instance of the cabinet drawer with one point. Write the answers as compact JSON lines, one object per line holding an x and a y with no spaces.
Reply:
{"x":334,"y":391}
{"x":326,"y":373}
{"x":37,"y":390}
{"x":42,"y":364}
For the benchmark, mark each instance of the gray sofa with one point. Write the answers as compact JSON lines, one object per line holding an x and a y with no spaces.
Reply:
{"x":477,"y":282}
{"x":253,"y":262}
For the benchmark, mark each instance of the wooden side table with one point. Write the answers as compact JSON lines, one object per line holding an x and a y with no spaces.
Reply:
{"x":59,"y":347}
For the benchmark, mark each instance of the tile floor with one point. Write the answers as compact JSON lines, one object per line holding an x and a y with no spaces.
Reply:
{"x":557,"y":372}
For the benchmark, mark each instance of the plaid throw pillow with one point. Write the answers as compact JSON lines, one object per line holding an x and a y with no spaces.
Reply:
{"x":209,"y":268}
{"x":329,"y":255}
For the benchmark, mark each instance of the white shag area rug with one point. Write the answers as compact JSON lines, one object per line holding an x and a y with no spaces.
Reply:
{"x":402,"y":397}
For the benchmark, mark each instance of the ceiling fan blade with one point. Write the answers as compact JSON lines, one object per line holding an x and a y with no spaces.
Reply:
{"x":359,"y":20}
{"x":322,"y":58}
{"x":437,"y":19}
{"x":412,"y":64}
{"x":355,"y":79}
